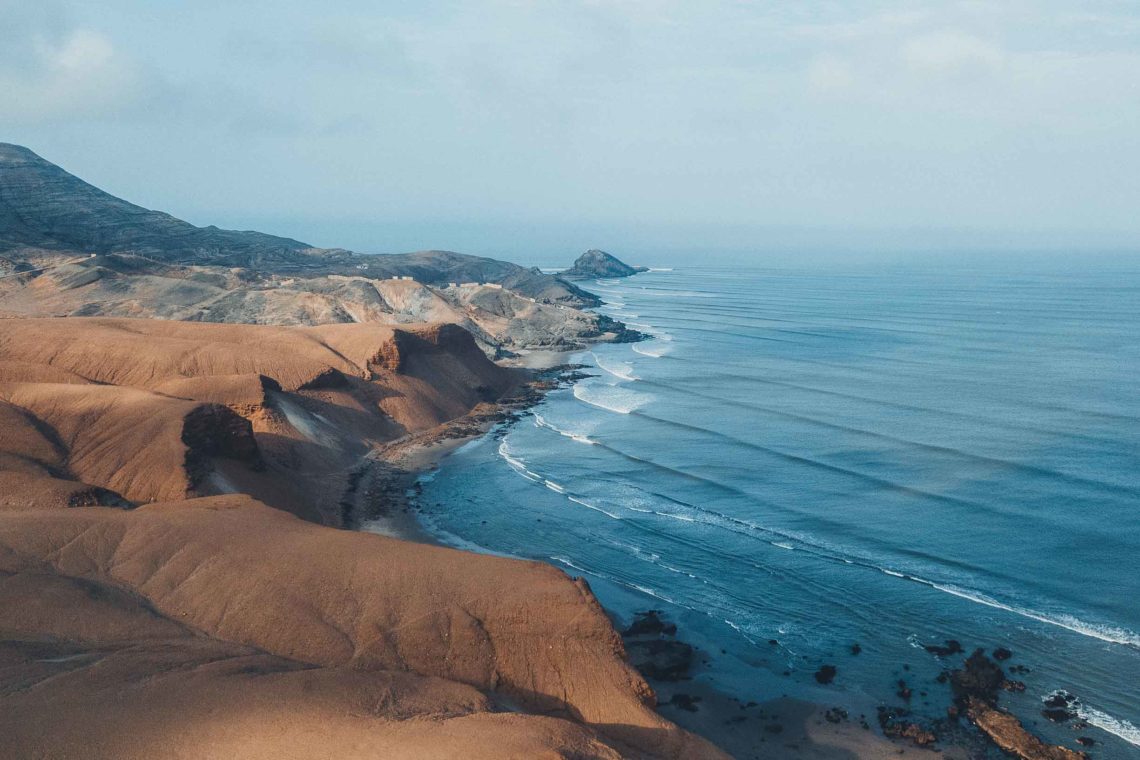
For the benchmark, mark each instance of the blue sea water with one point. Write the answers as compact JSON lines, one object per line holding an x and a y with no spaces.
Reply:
{"x":892,"y":459}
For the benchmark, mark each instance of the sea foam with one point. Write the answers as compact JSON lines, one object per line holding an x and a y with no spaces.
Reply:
{"x":620,"y":370}
{"x":542,"y":422}
{"x":611,"y":398}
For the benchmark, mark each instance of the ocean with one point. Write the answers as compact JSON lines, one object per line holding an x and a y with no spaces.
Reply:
{"x":819,"y":459}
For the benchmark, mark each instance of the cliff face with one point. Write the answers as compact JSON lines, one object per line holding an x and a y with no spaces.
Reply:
{"x":595,"y":263}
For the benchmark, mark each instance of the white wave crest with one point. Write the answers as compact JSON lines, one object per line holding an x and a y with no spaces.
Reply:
{"x":1109,"y":633}
{"x":620,"y":370}
{"x":651,"y":592}
{"x":654,"y":351}
{"x":1102,"y":720}
{"x":1105,"y":722}
{"x":611,"y":398}
{"x":541,"y":422}
{"x":568,"y":563}
{"x":516,"y":464}
{"x":587,"y":505}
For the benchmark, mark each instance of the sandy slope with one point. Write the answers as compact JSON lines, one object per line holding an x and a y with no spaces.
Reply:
{"x":226,"y":628}
{"x":200,"y":626}
{"x":152,"y":410}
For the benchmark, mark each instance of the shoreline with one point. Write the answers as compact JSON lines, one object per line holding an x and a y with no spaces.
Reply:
{"x":394,"y":469}
{"x":792,"y":726}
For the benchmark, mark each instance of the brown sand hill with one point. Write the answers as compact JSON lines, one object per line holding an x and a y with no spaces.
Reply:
{"x":153,"y":410}
{"x":222,"y":628}
{"x":218,"y":626}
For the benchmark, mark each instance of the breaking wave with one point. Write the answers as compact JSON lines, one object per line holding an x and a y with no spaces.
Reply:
{"x":1102,"y":720}
{"x":612,"y":398}
{"x":620,"y":370}
{"x":541,"y":422}
{"x":655,"y":351}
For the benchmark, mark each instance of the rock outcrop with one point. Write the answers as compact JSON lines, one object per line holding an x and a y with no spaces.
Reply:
{"x":70,"y":249}
{"x":976,"y":687}
{"x":595,"y":263}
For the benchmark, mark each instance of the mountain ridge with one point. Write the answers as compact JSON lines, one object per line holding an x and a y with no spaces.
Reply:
{"x":44,"y":210}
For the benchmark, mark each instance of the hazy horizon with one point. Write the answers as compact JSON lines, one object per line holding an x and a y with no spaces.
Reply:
{"x":657,"y":130}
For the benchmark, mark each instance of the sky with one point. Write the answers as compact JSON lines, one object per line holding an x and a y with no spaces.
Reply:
{"x":534,"y":130}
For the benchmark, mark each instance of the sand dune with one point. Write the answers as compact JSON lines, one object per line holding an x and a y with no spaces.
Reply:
{"x":225,"y":628}
{"x":200,"y":622}
{"x":152,"y":410}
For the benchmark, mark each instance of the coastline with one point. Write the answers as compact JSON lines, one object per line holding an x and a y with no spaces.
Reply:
{"x":791,"y":726}
{"x":395,"y":469}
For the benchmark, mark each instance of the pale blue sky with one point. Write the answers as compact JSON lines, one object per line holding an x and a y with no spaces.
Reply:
{"x":532,"y":128}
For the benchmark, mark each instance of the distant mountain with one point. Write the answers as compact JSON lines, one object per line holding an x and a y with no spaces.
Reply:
{"x":42,"y":206}
{"x":44,"y":209}
{"x":595,"y":263}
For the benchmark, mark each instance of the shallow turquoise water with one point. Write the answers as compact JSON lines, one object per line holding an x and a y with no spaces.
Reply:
{"x":894,"y":459}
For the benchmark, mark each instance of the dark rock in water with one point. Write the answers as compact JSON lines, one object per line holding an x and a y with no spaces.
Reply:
{"x":1086,"y":741}
{"x":1001,"y":654}
{"x":1017,"y":686}
{"x":855,"y":648}
{"x":904,"y":691}
{"x":1060,"y":707}
{"x":652,"y":649}
{"x":685,"y":701}
{"x":976,"y":688}
{"x":774,"y":642}
{"x":595,"y":263}
{"x":835,"y":715}
{"x":981,"y":678}
{"x":661,"y":659}
{"x":953,"y":646}
{"x":825,"y":674}
{"x":649,"y":623}
{"x":894,"y":724}
{"x":621,"y":333}
{"x":1007,"y":733}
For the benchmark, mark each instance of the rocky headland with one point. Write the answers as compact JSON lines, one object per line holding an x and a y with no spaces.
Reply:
{"x":594,"y":263}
